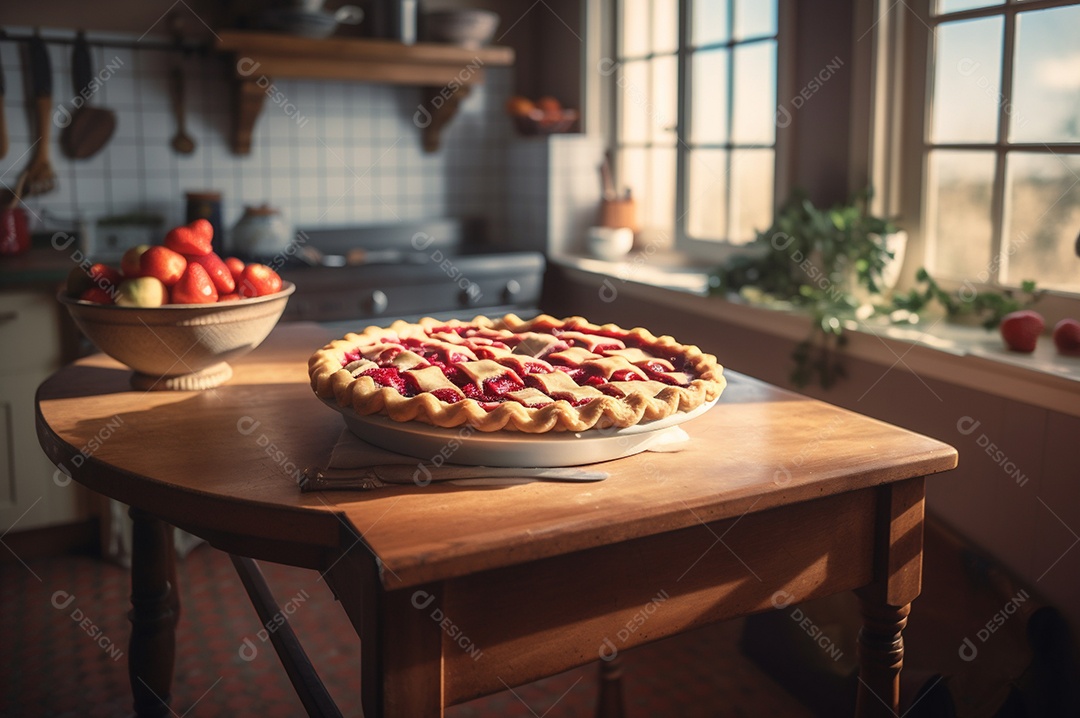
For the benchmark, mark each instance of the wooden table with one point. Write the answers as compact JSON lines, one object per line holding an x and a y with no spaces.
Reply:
{"x":461,"y":592}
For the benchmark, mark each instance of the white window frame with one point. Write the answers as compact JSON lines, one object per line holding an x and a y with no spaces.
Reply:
{"x":718,"y":249}
{"x":905,"y":30}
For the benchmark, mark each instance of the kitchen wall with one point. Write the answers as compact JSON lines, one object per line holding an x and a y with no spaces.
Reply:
{"x":330,"y":153}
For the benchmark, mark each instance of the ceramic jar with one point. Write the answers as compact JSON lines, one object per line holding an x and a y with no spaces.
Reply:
{"x":261,"y":233}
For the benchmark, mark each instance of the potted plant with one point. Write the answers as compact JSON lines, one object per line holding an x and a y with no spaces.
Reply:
{"x":827,"y":262}
{"x":966,"y":305}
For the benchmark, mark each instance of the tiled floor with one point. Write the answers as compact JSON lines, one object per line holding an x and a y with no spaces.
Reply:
{"x":64,"y":634}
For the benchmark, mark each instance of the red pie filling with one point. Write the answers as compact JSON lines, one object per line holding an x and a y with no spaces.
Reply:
{"x":495,"y":346}
{"x":389,"y":376}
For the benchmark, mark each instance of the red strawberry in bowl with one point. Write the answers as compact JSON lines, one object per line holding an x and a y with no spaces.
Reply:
{"x":258,"y":280}
{"x":187,"y":241}
{"x":218,"y":271}
{"x":194,"y":287}
{"x":1021,"y":330}
{"x":1067,"y":337}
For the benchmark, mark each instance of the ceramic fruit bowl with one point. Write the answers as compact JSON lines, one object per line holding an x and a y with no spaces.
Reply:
{"x":179,"y":346}
{"x":537,"y":122}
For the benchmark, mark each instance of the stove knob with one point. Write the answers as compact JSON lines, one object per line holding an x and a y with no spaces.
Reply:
{"x":470,"y":296}
{"x":511,"y":291}
{"x":377,"y":302}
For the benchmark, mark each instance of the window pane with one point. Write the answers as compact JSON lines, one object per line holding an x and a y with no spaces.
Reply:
{"x":946,"y":6}
{"x":708,"y":97}
{"x":755,"y":18}
{"x":635,"y":28}
{"x":706,"y":197}
{"x":709,"y":22}
{"x":663,"y":108}
{"x":751,"y":193}
{"x":958,"y":191}
{"x":633,"y":166}
{"x":633,"y":83}
{"x":1043,"y":192}
{"x":1046,"y":79}
{"x":659,"y":203}
{"x":967,"y":81}
{"x":665,"y":26}
{"x":754,"y":111}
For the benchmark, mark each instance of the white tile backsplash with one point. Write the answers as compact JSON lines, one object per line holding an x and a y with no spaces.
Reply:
{"x":325,"y":152}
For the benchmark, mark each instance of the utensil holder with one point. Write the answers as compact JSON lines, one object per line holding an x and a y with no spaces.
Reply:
{"x":619,"y":213}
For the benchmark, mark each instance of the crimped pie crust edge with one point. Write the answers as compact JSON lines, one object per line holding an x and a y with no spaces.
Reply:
{"x":330,"y":380}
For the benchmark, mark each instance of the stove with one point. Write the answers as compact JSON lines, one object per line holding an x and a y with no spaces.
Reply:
{"x":378,"y":274}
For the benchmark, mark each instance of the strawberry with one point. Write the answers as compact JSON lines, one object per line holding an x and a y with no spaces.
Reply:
{"x":97,"y":295}
{"x":1067,"y":337}
{"x":194,"y":287}
{"x":501,"y":384}
{"x":234,"y":297}
{"x":387,"y":376}
{"x":219,"y":273}
{"x":202,"y":229}
{"x":1021,"y":330}
{"x":258,"y":280}
{"x":448,"y":395}
{"x":236,"y":267}
{"x":454,"y":374}
{"x":471,"y":391}
{"x":186,"y":240}
{"x":163,"y":263}
{"x":104,"y":276}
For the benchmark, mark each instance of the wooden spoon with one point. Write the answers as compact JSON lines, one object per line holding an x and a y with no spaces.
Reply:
{"x":90,"y":127}
{"x":40,"y":176}
{"x":182,"y":142}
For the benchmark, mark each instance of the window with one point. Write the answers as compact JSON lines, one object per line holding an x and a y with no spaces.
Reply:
{"x":1001,"y":170}
{"x":701,"y":161}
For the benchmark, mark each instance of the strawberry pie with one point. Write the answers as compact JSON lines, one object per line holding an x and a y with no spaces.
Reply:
{"x":534,"y":376}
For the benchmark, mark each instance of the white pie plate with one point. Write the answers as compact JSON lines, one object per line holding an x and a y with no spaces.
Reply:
{"x":465,"y":445}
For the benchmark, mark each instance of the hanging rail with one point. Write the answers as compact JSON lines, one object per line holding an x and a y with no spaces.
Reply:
{"x":187,"y":48}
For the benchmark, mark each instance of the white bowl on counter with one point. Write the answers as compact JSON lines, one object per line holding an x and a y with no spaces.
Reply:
{"x":610,"y":243}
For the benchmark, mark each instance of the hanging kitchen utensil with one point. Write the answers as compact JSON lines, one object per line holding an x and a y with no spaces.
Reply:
{"x":182,"y":143}
{"x":40,"y":176}
{"x":607,"y":182}
{"x":17,"y":193}
{"x":89,"y":128}
{"x":3,"y":120}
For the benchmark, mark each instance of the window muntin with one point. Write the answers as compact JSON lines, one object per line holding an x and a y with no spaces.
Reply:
{"x":1002,"y":173}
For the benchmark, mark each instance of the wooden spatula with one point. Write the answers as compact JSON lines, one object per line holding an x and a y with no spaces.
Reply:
{"x":90,"y":127}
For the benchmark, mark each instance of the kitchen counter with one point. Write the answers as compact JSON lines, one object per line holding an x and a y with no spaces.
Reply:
{"x":38,"y":268}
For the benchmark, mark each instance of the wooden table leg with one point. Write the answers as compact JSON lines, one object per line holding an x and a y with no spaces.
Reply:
{"x":610,"y":702}
{"x":152,"y":649}
{"x":885,"y":604}
{"x":881,"y":657}
{"x":401,"y":639}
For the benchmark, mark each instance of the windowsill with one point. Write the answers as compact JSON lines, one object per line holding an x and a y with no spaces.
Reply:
{"x":667,"y":269}
{"x":967,"y":356}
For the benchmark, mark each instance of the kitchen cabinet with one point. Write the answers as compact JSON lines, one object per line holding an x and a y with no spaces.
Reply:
{"x":445,"y":72}
{"x":31,"y":493}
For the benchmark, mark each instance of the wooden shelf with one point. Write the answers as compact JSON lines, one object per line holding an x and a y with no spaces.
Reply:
{"x":446,"y":72}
